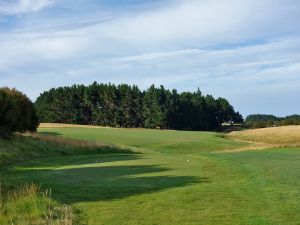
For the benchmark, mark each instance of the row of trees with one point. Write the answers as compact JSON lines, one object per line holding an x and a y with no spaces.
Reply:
{"x":128,"y":106}
{"x":262,"y":120}
{"x":17,"y":113}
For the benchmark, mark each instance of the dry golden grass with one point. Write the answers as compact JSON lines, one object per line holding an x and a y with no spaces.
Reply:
{"x":63,"y":125}
{"x":84,"y":145}
{"x":68,"y":141}
{"x":287,"y":136}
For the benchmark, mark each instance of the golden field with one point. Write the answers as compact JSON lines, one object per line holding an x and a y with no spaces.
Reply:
{"x":274,"y":136}
{"x":63,"y":125}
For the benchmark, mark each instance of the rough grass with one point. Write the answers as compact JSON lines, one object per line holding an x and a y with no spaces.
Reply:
{"x":21,"y":148}
{"x":288,"y":136}
{"x":28,"y":205}
{"x":184,"y":178}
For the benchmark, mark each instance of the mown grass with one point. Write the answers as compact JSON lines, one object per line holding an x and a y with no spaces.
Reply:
{"x":165,"y":141}
{"x":181,"y":178}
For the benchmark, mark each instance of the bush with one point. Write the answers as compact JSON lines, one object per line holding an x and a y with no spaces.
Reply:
{"x":17,"y":113}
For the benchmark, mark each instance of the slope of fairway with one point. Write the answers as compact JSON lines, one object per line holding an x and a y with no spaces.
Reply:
{"x":166,"y":141}
{"x":277,"y":136}
{"x":181,"y":178}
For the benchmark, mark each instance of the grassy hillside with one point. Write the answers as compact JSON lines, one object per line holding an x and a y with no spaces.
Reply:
{"x":21,"y":148}
{"x":166,"y":141}
{"x":181,"y":178}
{"x":24,"y":202}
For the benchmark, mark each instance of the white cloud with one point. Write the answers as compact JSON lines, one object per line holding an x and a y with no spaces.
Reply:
{"x":208,"y":22}
{"x":225,"y":47}
{"x":23,"y":6}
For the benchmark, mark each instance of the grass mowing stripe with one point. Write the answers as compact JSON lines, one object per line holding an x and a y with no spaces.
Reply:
{"x":179,"y":179}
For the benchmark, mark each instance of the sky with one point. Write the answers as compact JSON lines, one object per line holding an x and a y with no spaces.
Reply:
{"x":247,"y":51}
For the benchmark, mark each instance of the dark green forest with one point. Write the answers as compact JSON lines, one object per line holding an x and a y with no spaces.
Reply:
{"x":263,"y":120}
{"x":128,"y":106}
{"x":255,"y":118}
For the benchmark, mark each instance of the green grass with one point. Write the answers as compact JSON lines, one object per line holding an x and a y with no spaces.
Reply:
{"x":161,"y":187}
{"x":28,"y":205}
{"x":24,"y":203}
{"x":165,"y":141}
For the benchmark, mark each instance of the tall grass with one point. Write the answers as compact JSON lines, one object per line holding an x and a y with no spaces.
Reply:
{"x":28,"y":205}
{"x":21,"y":148}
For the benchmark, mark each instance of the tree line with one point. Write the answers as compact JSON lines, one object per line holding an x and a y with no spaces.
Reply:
{"x":17,"y":113}
{"x":127,"y":106}
{"x":263,"y":120}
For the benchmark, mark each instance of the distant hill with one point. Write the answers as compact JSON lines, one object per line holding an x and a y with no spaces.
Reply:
{"x":264,"y":120}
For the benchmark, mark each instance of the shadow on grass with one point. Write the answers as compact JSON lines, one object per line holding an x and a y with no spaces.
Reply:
{"x":93,"y":181}
{"x":50,"y":133}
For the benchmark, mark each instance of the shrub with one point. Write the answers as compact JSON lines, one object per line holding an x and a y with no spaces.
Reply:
{"x":17,"y":113}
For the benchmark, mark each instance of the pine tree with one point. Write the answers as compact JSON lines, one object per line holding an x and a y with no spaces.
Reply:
{"x":128,"y":106}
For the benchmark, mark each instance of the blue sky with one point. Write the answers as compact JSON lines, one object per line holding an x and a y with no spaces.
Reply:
{"x":247,"y":51}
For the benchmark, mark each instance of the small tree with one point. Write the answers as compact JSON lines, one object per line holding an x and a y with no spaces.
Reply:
{"x":17,"y":113}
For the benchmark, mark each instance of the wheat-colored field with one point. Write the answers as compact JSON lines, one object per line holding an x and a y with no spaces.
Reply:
{"x":275,"y":136}
{"x":64,"y":125}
